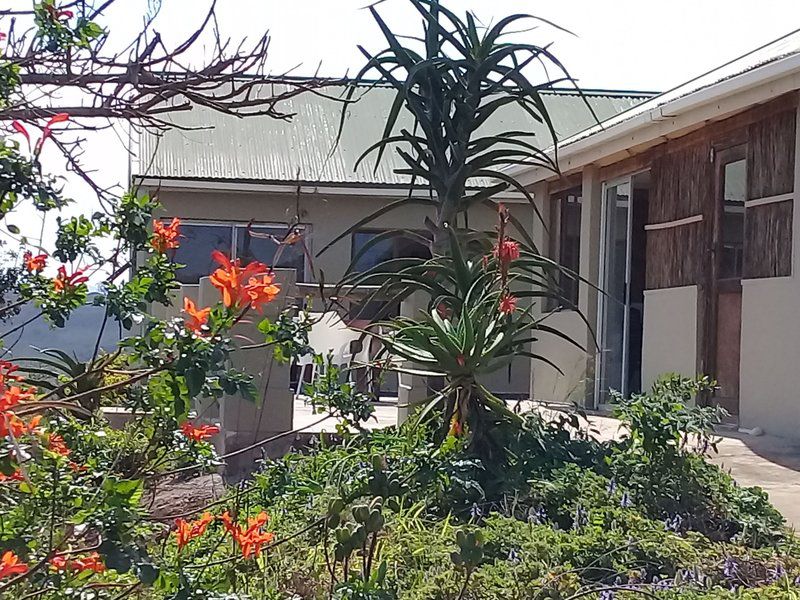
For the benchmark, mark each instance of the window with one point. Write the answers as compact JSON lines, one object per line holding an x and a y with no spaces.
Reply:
{"x":732,"y":226}
{"x":396,"y":247}
{"x":565,"y":235}
{"x":199,"y":239}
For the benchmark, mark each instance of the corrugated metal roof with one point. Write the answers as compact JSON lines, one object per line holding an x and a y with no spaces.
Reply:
{"x":210,"y":145}
{"x":781,"y":48}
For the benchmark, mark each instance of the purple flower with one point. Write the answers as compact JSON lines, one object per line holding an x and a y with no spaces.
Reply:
{"x":625,"y":501}
{"x":537,"y":516}
{"x":475,"y":512}
{"x":674,"y":523}
{"x":581,"y":518}
{"x":513,"y":556}
{"x":729,"y":568}
{"x":777,"y":573}
{"x":607,"y":595}
{"x":661,"y":584}
{"x":612,"y":487}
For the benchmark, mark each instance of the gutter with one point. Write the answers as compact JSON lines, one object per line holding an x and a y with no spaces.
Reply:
{"x":663,"y":114}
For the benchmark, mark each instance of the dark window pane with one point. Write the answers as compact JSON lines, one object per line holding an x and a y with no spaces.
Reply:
{"x":263,"y":245}
{"x":733,"y":220}
{"x":378,"y":253}
{"x":195,"y":250}
{"x":570,"y":251}
{"x":565,"y":228}
{"x":396,"y":247}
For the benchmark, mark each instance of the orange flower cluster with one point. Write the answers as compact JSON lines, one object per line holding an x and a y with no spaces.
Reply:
{"x":11,"y":396}
{"x":508,"y":304}
{"x":16,"y":476}
{"x":90,"y":562}
{"x":47,"y":131}
{"x":11,"y":423}
{"x":186,"y":531}
{"x":10,"y":565}
{"x":64,"y":283}
{"x":196,"y":317}
{"x":241,"y":286}
{"x":506,"y":251}
{"x":56,"y":444}
{"x":198,"y":434}
{"x":34,"y":264}
{"x":165,"y":237}
{"x":250,"y":539}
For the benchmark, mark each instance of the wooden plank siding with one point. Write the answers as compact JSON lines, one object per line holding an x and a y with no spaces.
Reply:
{"x":768,"y":240}
{"x":681,"y":187}
{"x":682,"y":172}
{"x":770,"y":172}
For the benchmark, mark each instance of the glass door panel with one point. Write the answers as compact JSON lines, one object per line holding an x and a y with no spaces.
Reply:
{"x":614,"y":302}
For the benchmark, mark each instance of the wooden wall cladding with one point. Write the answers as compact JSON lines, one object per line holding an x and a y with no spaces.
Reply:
{"x":768,"y":240}
{"x":675,"y":256}
{"x":682,"y":183}
{"x":681,"y":187}
{"x":770,"y":155}
{"x":770,"y":172}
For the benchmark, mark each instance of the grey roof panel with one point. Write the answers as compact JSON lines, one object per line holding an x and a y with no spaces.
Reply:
{"x":210,"y":145}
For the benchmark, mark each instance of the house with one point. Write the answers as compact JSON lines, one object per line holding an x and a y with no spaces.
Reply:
{"x":219,"y":173}
{"x":682,"y":210}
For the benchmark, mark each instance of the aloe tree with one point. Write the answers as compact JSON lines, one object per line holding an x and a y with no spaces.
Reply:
{"x":453,"y":80}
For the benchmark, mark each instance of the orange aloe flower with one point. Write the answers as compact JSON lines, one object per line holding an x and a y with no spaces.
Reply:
{"x":165,"y":237}
{"x":508,"y":304}
{"x":7,"y":374}
{"x":11,"y":423}
{"x":186,"y":531}
{"x":56,"y":444}
{"x":506,"y":251}
{"x":15,"y":476}
{"x":260,"y":291}
{"x":34,"y":264}
{"x":90,"y":562}
{"x":197,"y":318}
{"x":64,"y":283}
{"x":231,"y":276}
{"x":14,"y":395}
{"x":10,"y":565}
{"x":250,"y":539}
{"x":198,"y":434}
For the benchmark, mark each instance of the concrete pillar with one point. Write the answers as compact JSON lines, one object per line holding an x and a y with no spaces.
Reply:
{"x":244,"y":422}
{"x":540,"y":232}
{"x":591,"y":210}
{"x":412,"y":390}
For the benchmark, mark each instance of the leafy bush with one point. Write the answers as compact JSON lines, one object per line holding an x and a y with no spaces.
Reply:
{"x":660,"y":461}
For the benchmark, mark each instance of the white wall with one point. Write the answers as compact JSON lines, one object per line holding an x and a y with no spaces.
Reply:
{"x":769,"y":387}
{"x":670,"y":333}
{"x":546,"y":382}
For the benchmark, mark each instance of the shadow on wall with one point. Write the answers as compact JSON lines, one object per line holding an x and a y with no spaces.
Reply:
{"x":78,"y":338}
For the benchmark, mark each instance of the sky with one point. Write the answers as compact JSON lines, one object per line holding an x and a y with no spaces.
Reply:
{"x":617,"y":44}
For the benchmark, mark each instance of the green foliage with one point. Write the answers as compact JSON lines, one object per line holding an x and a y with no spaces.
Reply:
{"x":662,"y":421}
{"x":328,"y":393}
{"x":657,"y":460}
{"x":21,"y":179}
{"x":452,"y":79}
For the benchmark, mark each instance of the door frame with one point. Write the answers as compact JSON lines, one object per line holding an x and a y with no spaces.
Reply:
{"x":725,"y":152}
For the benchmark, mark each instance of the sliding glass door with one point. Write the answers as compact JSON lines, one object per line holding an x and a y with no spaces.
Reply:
{"x":622,"y":268}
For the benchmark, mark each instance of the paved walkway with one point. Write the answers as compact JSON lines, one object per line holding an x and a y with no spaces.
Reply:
{"x":769,"y":462}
